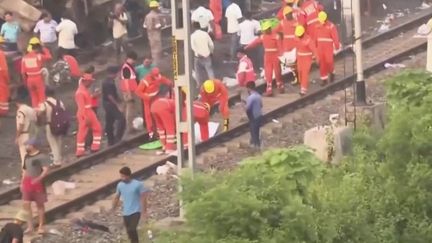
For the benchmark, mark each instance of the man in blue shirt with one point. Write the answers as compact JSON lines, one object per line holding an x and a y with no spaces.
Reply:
{"x":134,"y":198}
{"x":253,"y":109}
{"x":10,"y":30}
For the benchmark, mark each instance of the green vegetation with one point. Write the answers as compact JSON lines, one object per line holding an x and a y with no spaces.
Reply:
{"x":381,"y":194}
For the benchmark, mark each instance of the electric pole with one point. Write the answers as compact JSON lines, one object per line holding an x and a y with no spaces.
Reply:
{"x":358,"y":50}
{"x":181,"y":34}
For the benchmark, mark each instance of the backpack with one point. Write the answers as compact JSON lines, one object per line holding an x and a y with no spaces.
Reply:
{"x":60,"y":119}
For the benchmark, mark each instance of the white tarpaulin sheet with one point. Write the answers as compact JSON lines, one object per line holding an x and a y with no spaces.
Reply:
{"x":213,"y":128}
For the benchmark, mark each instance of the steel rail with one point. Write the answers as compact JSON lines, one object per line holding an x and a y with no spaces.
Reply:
{"x":100,"y":157}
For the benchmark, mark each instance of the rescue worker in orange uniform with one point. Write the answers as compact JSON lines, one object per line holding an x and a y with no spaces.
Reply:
{"x":311,"y":8}
{"x":32,"y":73}
{"x":163,"y":111}
{"x":306,"y":50}
{"x":272,"y":44}
{"x":4,"y":82}
{"x":327,"y":43}
{"x":245,"y":72}
{"x":298,"y":13}
{"x":215,"y":7}
{"x":147,"y":90}
{"x":213,"y":91}
{"x":86,"y":117}
{"x":287,"y":29}
{"x":201,"y":114}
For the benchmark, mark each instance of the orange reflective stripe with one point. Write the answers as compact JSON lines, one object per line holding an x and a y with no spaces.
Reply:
{"x":312,"y":21}
{"x":34,"y":73}
{"x":304,"y":53}
{"x":325,"y":40}
{"x":270,"y":49}
{"x":289,"y":36}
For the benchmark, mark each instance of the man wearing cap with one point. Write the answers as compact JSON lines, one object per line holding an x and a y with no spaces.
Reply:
{"x":147,"y":90}
{"x":86,"y":117}
{"x":214,"y":91}
{"x":113,"y":108}
{"x":272,"y":48}
{"x":35,"y":169}
{"x":327,"y":43}
{"x":245,"y":71}
{"x":32,"y":71}
{"x":153,"y":25}
{"x":13,"y":232}
{"x":25,"y":121}
{"x":4,"y":81}
{"x":306,"y":50}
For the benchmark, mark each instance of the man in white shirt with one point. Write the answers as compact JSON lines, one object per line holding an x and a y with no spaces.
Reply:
{"x":249,"y":29}
{"x":46,"y":28}
{"x":119,"y":20}
{"x":203,"y":47}
{"x":233,"y":14}
{"x":204,"y":17}
{"x":67,"y":30}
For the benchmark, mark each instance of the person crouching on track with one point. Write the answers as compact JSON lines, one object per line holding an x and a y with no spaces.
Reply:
{"x":163,"y":111}
{"x":245,"y":71}
{"x":327,"y":43}
{"x":253,"y":109}
{"x":272,"y":48}
{"x":306,"y":49}
{"x":86,"y":117}
{"x":201,"y":114}
{"x":147,"y":90}
{"x":213,"y":91}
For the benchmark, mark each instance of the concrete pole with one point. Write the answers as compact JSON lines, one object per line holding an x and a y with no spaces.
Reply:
{"x":347,"y":20}
{"x":429,"y":53}
{"x":360,"y":84}
{"x":183,"y":81}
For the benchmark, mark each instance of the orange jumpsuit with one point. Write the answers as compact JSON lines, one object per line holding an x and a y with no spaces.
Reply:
{"x":201,"y":114}
{"x":220,"y":95}
{"x":215,"y":7}
{"x":86,"y":120}
{"x":298,"y":15}
{"x":73,"y":66}
{"x":31,"y":70}
{"x":311,"y":8}
{"x":306,"y":49}
{"x":163,"y":112}
{"x":147,"y":90}
{"x":327,"y":41}
{"x":4,"y":85}
{"x":287,"y":28}
{"x":272,"y":47}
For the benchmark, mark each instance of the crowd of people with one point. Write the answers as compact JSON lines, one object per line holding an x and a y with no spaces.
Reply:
{"x":302,"y":31}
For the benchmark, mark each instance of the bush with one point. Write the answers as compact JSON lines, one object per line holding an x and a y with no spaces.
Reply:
{"x":380,"y":194}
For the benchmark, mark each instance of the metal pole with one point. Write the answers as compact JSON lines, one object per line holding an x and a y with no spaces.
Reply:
{"x":183,"y":81}
{"x":360,"y":84}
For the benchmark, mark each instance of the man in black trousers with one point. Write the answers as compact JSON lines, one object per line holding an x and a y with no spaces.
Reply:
{"x":113,"y":108}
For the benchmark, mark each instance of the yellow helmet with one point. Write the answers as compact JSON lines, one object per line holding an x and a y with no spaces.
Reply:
{"x":266,"y":25}
{"x":154,"y":4}
{"x":29,"y":48}
{"x":209,"y":86}
{"x":299,"y":30}
{"x":287,"y":10}
{"x":322,"y":17}
{"x":34,"y":41}
{"x":289,"y":1}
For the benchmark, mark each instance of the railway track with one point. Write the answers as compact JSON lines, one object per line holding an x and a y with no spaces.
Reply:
{"x":96,"y":175}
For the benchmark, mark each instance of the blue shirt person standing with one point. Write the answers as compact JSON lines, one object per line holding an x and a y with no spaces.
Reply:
{"x":134,"y":198}
{"x":253,"y":109}
{"x":10,"y":31}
